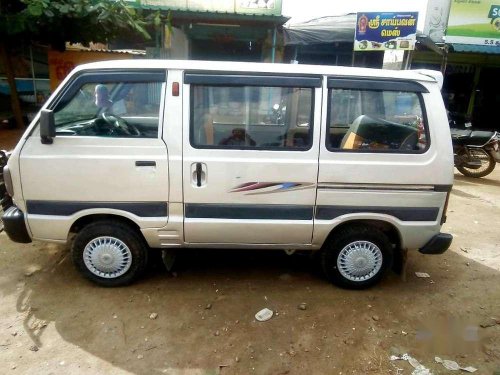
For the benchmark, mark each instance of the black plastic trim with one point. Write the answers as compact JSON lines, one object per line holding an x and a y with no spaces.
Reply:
{"x":375,"y":84}
{"x":244,"y":211}
{"x":437,"y":244}
{"x":63,"y":208}
{"x":443,"y":188}
{"x":145,"y":163}
{"x":14,"y":225}
{"x":270,"y":80}
{"x":401,"y":213}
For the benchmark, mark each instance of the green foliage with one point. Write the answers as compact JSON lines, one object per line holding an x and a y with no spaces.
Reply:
{"x":57,"y":21}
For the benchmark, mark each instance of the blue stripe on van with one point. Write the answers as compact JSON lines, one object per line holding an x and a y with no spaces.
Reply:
{"x":245,"y":211}
{"x":66,"y":208}
{"x":402,"y":213}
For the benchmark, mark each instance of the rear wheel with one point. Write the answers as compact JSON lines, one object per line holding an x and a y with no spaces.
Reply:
{"x":487,"y":164}
{"x":357,"y":257}
{"x":109,"y":253}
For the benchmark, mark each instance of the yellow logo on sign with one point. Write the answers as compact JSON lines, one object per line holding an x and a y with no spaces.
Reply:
{"x":374,"y":23}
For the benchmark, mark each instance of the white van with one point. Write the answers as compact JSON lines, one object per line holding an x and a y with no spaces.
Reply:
{"x":130,"y":155}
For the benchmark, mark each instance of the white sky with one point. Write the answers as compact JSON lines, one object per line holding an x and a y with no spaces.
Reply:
{"x":304,"y":10}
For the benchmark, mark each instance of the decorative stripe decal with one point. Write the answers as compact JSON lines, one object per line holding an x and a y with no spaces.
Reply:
{"x":402,"y":213}
{"x":247,"y":211}
{"x":276,"y":187}
{"x":64,"y":208}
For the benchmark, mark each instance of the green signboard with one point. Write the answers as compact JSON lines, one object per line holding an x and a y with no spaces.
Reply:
{"x":474,"y":22}
{"x":263,"y":7}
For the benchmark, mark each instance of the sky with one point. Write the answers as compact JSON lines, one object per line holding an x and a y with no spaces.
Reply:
{"x":304,"y":10}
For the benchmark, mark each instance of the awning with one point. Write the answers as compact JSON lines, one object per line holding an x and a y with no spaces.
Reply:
{"x":321,"y":30}
{"x":473,"y":48}
{"x":426,"y":41}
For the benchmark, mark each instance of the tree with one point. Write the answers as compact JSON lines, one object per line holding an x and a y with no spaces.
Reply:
{"x":55,"y":22}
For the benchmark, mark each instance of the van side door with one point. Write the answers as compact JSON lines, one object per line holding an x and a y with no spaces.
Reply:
{"x":250,"y":158}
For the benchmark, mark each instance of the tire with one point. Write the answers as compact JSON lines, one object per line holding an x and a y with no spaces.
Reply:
{"x":487,"y":161}
{"x":374,"y":244}
{"x":109,"y":253}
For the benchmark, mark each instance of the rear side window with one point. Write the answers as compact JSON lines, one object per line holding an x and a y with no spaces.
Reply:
{"x":251,"y":117}
{"x":376,"y":121}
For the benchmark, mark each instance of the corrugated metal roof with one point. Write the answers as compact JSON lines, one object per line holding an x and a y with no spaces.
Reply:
{"x":475,"y":48}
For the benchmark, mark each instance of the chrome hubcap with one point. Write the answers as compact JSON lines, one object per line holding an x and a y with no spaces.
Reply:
{"x":359,"y":261}
{"x":107,"y":257}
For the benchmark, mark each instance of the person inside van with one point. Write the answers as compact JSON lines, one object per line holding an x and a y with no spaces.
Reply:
{"x":238,"y":137}
{"x":105,"y":104}
{"x":102,"y":97}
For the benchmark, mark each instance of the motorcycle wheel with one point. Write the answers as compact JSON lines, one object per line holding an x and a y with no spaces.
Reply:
{"x":487,"y":164}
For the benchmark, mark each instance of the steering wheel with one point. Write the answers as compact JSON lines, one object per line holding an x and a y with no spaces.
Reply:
{"x":120,"y":124}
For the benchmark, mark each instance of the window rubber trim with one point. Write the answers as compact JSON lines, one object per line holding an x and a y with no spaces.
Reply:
{"x":242,"y":79}
{"x":375,"y":84}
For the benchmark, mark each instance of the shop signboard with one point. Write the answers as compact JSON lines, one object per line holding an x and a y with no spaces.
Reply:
{"x":377,"y":31}
{"x":474,"y":22}
{"x":261,"y":7}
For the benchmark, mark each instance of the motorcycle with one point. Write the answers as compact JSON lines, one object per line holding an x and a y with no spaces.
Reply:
{"x":475,"y":152}
{"x":5,"y":199}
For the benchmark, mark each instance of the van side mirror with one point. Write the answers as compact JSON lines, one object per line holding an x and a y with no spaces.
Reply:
{"x":47,"y":126}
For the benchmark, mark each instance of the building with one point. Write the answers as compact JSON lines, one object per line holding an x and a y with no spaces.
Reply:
{"x":466,"y":38}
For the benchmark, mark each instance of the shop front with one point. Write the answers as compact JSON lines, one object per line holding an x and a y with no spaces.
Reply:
{"x":469,"y":57}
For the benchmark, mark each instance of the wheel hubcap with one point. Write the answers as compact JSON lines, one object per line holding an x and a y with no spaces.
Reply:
{"x":107,"y":257}
{"x":359,"y":261}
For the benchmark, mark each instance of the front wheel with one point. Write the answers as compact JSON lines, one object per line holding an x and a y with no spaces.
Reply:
{"x":109,"y":253}
{"x":357,"y":257}
{"x":487,"y":164}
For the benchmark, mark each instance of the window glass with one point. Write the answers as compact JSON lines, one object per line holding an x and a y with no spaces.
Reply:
{"x":376,"y":120}
{"x":251,"y":117}
{"x":117,"y":109}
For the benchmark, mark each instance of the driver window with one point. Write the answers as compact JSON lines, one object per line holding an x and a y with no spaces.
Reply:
{"x":111,"y":109}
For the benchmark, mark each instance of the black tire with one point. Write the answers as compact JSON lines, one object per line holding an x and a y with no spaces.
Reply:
{"x":346,"y":236}
{"x":486,"y":159}
{"x":116,"y":229}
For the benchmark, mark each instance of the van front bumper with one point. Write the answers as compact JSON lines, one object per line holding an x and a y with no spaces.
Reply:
{"x":437,"y":244}
{"x":14,"y":225}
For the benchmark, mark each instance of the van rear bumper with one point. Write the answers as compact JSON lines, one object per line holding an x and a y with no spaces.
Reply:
{"x":14,"y":225}
{"x":437,"y":244}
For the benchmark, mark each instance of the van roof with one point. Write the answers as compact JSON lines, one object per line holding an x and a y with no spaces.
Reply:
{"x":257,"y":67}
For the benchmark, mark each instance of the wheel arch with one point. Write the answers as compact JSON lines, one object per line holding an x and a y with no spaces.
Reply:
{"x":386,"y":227}
{"x":82,"y":221}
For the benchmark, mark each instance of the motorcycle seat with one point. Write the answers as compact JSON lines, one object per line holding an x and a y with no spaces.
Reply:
{"x":471,"y":137}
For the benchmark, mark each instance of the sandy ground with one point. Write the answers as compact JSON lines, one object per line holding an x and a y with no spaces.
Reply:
{"x":52,"y":321}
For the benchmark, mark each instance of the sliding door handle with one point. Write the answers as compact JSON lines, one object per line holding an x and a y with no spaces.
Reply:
{"x":198,"y":174}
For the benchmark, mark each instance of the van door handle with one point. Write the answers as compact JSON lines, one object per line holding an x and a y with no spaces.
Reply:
{"x":145,"y":163}
{"x":198,"y":174}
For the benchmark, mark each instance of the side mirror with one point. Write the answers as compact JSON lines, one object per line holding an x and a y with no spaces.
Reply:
{"x":47,"y":126}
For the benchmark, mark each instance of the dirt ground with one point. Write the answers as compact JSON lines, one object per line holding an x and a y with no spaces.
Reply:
{"x":52,"y":321}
